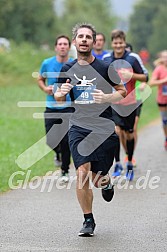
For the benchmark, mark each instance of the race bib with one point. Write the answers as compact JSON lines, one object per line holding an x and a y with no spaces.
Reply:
{"x":164,"y":90}
{"x":82,"y":93}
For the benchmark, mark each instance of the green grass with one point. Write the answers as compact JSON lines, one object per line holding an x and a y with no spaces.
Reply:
{"x":149,"y":110}
{"x":18,"y":129}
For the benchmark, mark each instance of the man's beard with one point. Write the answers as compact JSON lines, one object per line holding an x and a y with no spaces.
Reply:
{"x":85,"y":53}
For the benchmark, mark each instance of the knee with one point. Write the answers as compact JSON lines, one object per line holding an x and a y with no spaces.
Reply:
{"x":83,"y":172}
{"x":130,"y":135}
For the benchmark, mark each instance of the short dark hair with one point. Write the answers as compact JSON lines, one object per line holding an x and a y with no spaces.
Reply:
{"x":100,"y":33}
{"x":118,"y":34}
{"x":128,"y":45}
{"x":83,"y":25}
{"x":63,"y":36}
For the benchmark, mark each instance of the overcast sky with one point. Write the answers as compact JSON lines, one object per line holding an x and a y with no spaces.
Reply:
{"x":121,"y":8}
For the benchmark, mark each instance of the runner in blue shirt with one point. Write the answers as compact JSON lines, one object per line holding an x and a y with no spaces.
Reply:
{"x":49,"y":71}
{"x":98,"y":47}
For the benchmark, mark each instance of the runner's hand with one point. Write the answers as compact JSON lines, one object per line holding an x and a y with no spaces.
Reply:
{"x":66,"y":87}
{"x":125,"y":74}
{"x":99,"y":96}
{"x":49,"y":90}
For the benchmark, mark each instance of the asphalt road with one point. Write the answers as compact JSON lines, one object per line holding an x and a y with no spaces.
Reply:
{"x":136,"y":219}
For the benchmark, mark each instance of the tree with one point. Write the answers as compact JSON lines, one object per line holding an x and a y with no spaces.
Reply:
{"x":142,"y":26}
{"x":32,"y":21}
{"x":96,"y":12}
{"x":158,"y":40}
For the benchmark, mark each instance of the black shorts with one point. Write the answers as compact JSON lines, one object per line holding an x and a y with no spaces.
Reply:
{"x":126,"y":123}
{"x":162,"y":105}
{"x":101,"y":158}
{"x":52,"y":118}
{"x":138,"y":110}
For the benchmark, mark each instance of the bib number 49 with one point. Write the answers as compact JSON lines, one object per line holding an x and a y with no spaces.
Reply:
{"x":85,"y":95}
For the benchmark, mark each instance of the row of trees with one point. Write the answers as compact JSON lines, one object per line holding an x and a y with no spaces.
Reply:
{"x":32,"y":21}
{"x":148,"y":26}
{"x":39,"y":21}
{"x":96,"y":12}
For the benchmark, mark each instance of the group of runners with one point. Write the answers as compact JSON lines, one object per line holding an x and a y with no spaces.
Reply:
{"x":95,"y":95}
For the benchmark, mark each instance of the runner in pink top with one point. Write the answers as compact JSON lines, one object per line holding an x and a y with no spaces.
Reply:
{"x":159,"y":79}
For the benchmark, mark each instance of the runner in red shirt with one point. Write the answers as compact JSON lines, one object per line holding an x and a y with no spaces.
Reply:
{"x":159,"y":79}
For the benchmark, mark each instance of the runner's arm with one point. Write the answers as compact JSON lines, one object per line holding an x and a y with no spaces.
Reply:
{"x":100,"y":97}
{"x":155,"y":82}
{"x":155,"y":79}
{"x":43,"y":87}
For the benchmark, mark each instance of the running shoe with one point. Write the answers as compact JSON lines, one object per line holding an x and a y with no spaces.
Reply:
{"x":129,"y":172}
{"x":133,"y":161}
{"x":88,"y":228}
{"x":108,"y":193}
{"x":117,"y":170}
{"x":64,"y":177}
{"x":57,"y":162}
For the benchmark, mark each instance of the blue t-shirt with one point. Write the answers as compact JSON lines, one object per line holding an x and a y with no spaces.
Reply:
{"x":50,"y":70}
{"x":99,"y":56}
